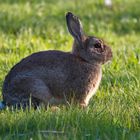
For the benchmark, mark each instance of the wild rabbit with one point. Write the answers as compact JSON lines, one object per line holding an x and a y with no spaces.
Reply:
{"x":55,"y":77}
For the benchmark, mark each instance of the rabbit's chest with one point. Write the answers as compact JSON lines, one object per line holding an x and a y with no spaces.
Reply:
{"x":93,"y":86}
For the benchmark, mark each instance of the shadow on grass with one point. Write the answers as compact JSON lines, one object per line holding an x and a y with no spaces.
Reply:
{"x":74,"y":124}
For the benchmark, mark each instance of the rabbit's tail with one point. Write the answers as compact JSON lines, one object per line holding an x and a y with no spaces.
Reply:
{"x":2,"y":105}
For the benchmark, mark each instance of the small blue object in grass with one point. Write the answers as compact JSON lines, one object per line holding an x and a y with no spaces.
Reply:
{"x":2,"y":105}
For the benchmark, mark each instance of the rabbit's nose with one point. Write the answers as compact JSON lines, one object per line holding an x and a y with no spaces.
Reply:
{"x":111,"y":54}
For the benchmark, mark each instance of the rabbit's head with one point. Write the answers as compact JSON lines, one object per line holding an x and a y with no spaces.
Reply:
{"x":89,"y":48}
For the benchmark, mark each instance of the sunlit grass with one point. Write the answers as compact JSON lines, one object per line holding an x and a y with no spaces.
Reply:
{"x":114,"y":112}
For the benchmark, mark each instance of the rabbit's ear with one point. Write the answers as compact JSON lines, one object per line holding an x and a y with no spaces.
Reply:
{"x":75,"y":27}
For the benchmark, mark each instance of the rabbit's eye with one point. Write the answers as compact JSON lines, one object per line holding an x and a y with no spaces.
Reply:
{"x":97,"y":45}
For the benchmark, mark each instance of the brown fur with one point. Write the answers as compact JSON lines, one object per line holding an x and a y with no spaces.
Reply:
{"x":54,"y":77}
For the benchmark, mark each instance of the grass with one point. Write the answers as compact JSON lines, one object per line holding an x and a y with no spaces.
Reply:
{"x":114,"y":112}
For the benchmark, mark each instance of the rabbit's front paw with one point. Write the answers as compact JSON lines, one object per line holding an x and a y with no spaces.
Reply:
{"x":83,"y":104}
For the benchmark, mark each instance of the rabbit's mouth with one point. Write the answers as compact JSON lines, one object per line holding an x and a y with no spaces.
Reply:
{"x":109,"y":55}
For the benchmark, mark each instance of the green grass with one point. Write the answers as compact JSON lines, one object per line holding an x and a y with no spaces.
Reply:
{"x":114,"y":112}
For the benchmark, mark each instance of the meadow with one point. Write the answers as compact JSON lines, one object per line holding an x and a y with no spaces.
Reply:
{"x":28,"y":26}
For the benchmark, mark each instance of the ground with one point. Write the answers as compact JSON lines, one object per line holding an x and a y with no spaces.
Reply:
{"x":35,"y":25}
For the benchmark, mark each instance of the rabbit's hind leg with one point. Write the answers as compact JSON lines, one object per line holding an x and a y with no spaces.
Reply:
{"x":23,"y":88}
{"x":40,"y":91}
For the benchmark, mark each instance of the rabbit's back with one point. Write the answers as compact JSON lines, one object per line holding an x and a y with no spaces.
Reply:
{"x":63,"y":73}
{"x":52,"y":76}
